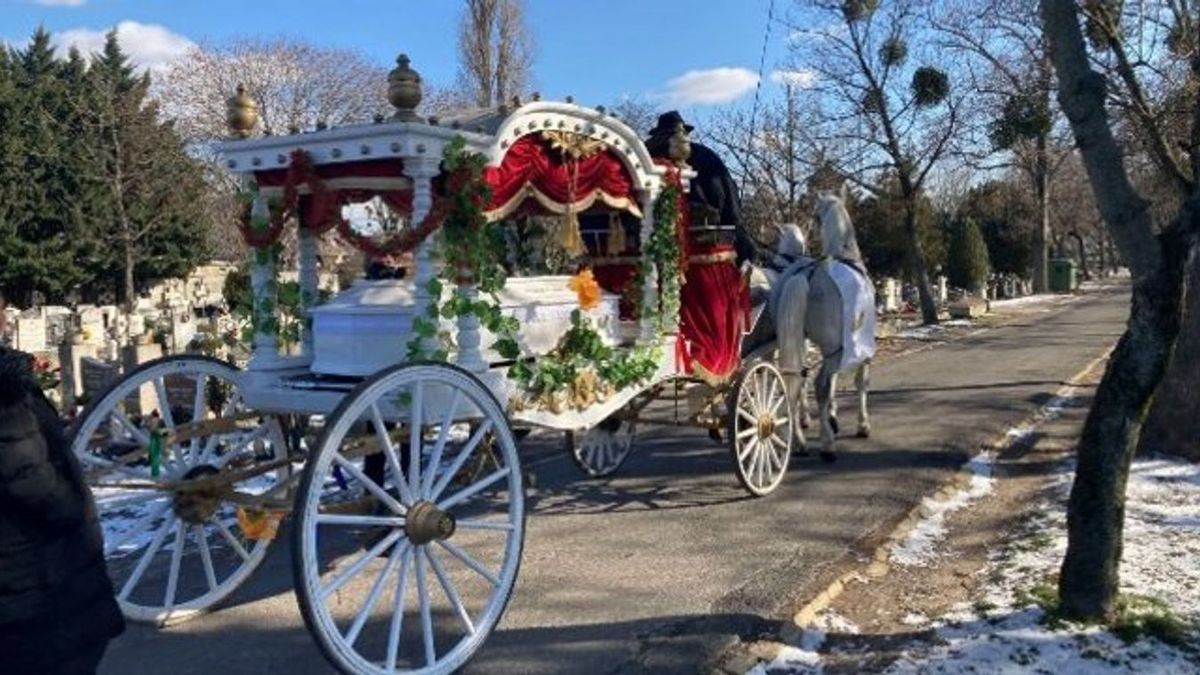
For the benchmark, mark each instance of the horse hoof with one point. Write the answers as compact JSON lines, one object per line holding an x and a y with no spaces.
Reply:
{"x":864,"y":433}
{"x":715,"y":435}
{"x":834,"y":423}
{"x":828,"y":457}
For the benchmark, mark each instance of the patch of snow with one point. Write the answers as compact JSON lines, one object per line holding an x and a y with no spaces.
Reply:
{"x":919,"y":548}
{"x":802,"y":660}
{"x":830,"y":621}
{"x":914,"y":619}
{"x":1028,"y":300}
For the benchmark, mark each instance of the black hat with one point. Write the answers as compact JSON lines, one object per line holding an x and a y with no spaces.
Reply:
{"x":667,"y":123}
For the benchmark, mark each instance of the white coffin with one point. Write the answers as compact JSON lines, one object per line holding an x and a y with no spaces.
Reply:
{"x":366,"y":328}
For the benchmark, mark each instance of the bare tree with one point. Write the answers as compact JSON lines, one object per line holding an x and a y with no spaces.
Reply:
{"x":886,"y":100}
{"x":1165,"y":266}
{"x":636,"y":112}
{"x":297,"y":85}
{"x":495,"y":51}
{"x":1014,"y":86}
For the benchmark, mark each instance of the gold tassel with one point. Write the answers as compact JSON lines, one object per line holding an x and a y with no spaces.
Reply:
{"x":616,"y":234}
{"x":572,"y":241}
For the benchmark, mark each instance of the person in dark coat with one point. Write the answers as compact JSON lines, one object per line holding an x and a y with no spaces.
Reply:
{"x":713,"y":186}
{"x":57,"y":610}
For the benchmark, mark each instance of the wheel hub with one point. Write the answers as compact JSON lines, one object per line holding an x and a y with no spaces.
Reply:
{"x":766,"y":426}
{"x":426,"y":522}
{"x":196,"y":506}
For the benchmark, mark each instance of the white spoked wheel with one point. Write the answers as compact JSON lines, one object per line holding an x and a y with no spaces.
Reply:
{"x":760,"y":428}
{"x":166,"y":452}
{"x":601,"y":450}
{"x":411,"y":569}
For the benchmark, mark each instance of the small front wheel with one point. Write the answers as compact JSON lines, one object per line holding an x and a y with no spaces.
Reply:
{"x":408,"y":569}
{"x":760,"y":428}
{"x":601,"y":450}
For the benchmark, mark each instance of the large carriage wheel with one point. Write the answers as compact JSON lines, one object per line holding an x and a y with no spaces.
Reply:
{"x":413,"y":572}
{"x":760,"y":428}
{"x":601,"y":450}
{"x":146,"y":445}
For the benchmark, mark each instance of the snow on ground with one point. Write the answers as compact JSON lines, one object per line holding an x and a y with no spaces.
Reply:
{"x":1006,"y":631}
{"x":920,"y":546}
{"x":806,"y":659}
{"x":1032,"y":300}
{"x":916,"y":331}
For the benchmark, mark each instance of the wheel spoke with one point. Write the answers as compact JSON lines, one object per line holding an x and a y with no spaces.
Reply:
{"x":210,"y":574}
{"x":360,"y":619}
{"x":415,"y":424}
{"x":389,"y":451}
{"x":144,"y":562}
{"x":461,"y":459}
{"x":370,"y":485}
{"x":228,"y":537}
{"x":365,"y":558}
{"x":113,"y":465}
{"x":397,"y":621}
{"x":467,"y":493}
{"x":197,"y":417}
{"x":483,"y":525}
{"x":164,"y":404}
{"x":140,"y":434}
{"x":136,"y":529}
{"x":173,"y":575}
{"x":742,"y":413}
{"x":243,"y":443}
{"x":467,"y":560}
{"x":440,"y":446}
{"x":746,"y":449}
{"x":373,"y":521}
{"x":426,"y":617}
{"x":747,"y":433}
{"x":451,"y":592}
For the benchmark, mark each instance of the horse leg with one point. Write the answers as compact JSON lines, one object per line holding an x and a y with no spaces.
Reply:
{"x":862,"y":381}
{"x":791,"y":340}
{"x":802,"y":396}
{"x":826,"y":386}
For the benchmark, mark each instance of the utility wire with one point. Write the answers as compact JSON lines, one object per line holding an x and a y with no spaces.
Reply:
{"x":762,"y":60}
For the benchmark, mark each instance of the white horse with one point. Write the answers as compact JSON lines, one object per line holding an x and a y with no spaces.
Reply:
{"x":808,"y":305}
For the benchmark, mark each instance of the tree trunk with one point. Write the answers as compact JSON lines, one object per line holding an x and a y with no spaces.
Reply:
{"x":1096,"y":510}
{"x":916,"y":257}
{"x":1084,"y":270}
{"x":1173,"y":423}
{"x":1041,"y":232}
{"x":130,"y":294}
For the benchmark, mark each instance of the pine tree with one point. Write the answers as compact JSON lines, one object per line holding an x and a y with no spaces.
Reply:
{"x":967,"y":260}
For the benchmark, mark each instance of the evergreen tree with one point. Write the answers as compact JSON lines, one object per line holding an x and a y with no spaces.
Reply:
{"x":967,"y":259}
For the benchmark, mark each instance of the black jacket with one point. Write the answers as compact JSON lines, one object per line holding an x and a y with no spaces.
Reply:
{"x":56,"y":598}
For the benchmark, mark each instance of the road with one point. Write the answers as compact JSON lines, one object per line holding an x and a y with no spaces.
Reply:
{"x":658,"y":567}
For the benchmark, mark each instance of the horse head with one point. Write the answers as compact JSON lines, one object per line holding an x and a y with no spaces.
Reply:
{"x":791,"y":242}
{"x":837,"y":232}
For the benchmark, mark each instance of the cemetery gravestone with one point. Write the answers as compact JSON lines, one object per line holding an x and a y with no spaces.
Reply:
{"x":31,"y":334}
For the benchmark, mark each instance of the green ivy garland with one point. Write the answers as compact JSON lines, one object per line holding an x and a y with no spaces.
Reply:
{"x":662,"y":251}
{"x":473,"y":251}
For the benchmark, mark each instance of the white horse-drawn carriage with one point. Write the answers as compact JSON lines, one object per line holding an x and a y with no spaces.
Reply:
{"x":408,"y":510}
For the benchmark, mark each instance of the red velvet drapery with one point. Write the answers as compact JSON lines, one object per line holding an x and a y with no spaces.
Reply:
{"x":531,"y":168}
{"x":714,"y":307}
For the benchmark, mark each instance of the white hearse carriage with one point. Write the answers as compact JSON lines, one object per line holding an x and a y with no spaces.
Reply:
{"x":408,"y":510}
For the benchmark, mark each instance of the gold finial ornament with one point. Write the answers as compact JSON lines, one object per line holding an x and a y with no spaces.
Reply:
{"x":241,"y":113}
{"x":404,"y":90}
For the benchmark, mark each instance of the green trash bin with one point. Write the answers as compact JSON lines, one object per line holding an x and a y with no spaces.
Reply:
{"x":1062,"y":275}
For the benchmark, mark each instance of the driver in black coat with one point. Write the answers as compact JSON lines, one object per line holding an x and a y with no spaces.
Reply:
{"x":57,"y":611}
{"x":713,"y":186}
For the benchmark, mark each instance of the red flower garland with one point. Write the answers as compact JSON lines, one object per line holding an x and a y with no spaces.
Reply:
{"x":325,"y":212}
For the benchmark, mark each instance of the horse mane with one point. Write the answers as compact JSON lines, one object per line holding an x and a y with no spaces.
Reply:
{"x":837,"y":231}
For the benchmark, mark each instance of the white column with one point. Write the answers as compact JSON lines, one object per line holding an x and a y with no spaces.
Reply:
{"x":265,"y":350}
{"x":422,"y":170}
{"x":309,"y":288}
{"x":469,"y":356}
{"x":649,"y":325}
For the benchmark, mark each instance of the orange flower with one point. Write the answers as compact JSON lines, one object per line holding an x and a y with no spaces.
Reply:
{"x":585,"y":286}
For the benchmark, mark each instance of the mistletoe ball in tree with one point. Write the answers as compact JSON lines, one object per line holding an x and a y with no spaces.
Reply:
{"x":930,"y":86}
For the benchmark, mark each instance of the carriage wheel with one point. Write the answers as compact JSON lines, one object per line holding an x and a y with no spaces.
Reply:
{"x":760,"y":428}
{"x":601,"y":450}
{"x":414,"y":578}
{"x":145,"y":446}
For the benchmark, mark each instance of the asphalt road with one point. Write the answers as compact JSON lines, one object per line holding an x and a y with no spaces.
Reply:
{"x":656,"y":568}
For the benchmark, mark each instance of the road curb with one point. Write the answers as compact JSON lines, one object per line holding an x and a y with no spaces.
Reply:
{"x":880,"y":564}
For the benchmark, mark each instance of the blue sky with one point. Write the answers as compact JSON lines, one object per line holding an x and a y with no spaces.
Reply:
{"x":674,"y":53}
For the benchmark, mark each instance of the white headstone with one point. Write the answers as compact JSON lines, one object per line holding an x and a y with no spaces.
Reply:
{"x":31,"y":334}
{"x":91,"y":325}
{"x":891,"y":295}
{"x":182,"y":332}
{"x":942,"y":292}
{"x":137,"y":325}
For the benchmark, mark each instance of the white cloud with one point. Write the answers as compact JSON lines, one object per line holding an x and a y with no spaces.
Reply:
{"x":148,"y":45}
{"x":707,"y":87}
{"x":801,"y":78}
{"x":60,"y":3}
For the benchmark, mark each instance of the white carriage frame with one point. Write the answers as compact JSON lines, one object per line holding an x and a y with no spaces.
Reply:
{"x":420,"y":145}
